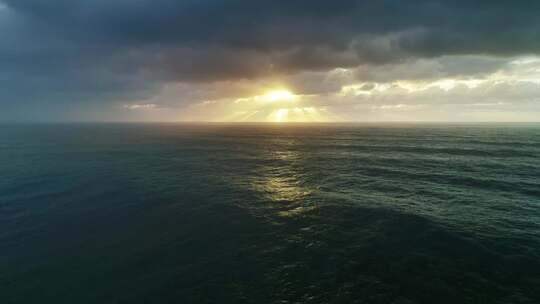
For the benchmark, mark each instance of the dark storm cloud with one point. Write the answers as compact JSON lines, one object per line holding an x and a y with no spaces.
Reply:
{"x":497,"y":27}
{"x":94,"y":49}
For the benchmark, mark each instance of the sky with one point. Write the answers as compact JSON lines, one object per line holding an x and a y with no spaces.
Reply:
{"x":275,"y":61}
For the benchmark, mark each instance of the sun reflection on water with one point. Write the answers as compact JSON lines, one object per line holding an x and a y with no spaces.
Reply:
{"x":281,"y":183}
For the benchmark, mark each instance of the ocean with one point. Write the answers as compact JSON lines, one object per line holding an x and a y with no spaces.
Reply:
{"x":269,"y":213}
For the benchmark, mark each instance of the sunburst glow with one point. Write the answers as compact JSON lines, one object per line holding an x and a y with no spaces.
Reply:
{"x":279,"y":95}
{"x":277,"y":105}
{"x":279,"y":115}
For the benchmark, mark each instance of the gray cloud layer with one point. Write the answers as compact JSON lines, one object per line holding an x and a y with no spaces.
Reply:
{"x":63,"y":52}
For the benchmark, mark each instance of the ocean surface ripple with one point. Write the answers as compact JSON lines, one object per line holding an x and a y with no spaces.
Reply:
{"x":262,"y":213}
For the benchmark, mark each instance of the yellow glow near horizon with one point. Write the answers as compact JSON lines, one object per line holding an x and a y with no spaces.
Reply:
{"x":279,"y":115}
{"x":276,"y":105}
{"x":279,"y":95}
{"x":299,"y":114}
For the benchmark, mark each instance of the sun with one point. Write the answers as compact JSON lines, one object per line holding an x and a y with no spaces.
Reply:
{"x":277,"y":105}
{"x":279,"y":95}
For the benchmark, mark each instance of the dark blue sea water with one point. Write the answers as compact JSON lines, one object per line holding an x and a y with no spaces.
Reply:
{"x":179,"y":213}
